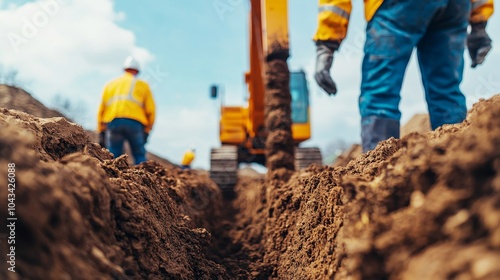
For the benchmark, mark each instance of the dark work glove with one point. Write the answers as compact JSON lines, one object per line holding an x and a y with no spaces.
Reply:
{"x":478,"y":43}
{"x":324,"y":59}
{"x":102,"y":139}
{"x":146,"y":135}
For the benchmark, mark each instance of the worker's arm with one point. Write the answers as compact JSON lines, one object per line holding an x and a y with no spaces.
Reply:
{"x":333,"y":20}
{"x":149,"y":109}
{"x":481,"y":10}
{"x":478,"y":41}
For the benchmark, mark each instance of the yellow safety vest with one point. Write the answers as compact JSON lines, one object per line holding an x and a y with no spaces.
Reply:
{"x":333,"y":17}
{"x":127,"y":97}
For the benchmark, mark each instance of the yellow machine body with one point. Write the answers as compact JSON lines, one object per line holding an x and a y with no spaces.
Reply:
{"x":240,"y":126}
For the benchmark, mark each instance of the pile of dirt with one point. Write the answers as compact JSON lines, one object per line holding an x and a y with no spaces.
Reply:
{"x":423,"y":207}
{"x":18,"y":99}
{"x":83,"y":215}
{"x":432,"y":209}
{"x":418,"y":123}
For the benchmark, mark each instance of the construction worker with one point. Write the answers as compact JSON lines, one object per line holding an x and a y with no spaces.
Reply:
{"x":187,"y":159}
{"x":126,"y":112}
{"x":437,"y":29}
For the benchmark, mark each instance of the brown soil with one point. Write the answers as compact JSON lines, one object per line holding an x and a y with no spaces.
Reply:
{"x":278,"y":119}
{"x":18,"y":99}
{"x":81,"y":214}
{"x":419,"y":123}
{"x":423,"y":207}
{"x":355,"y":151}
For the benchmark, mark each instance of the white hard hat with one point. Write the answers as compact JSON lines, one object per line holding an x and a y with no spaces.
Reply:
{"x":131,"y":63}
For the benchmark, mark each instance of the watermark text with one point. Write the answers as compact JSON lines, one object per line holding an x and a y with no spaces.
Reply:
{"x":11,"y":217}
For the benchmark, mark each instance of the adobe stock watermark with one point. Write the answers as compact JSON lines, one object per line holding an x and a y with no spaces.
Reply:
{"x":31,"y":26}
{"x":11,"y":219}
{"x":154,"y":76}
{"x":222,"y":7}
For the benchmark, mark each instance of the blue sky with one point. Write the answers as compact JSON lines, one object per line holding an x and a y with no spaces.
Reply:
{"x":186,"y":46}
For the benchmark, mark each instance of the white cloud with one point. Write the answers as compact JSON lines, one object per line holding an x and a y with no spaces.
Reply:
{"x":68,"y":47}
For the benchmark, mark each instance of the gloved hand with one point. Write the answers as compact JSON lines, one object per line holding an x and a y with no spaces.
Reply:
{"x":478,"y":43}
{"x":102,"y":139}
{"x":324,"y":59}
{"x":146,"y":135}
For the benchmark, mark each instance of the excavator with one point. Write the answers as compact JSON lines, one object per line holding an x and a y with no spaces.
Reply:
{"x":242,"y":129}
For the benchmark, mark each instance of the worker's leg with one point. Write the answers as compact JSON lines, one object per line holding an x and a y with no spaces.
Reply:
{"x":387,"y":51}
{"x":375,"y":129}
{"x":391,"y":35}
{"x":115,"y":138}
{"x":135,"y":137}
{"x":440,"y":55}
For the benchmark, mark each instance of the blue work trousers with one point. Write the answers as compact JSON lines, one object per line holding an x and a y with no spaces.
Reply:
{"x":437,"y":29}
{"x":122,"y":129}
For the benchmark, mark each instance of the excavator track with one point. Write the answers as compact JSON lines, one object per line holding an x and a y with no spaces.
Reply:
{"x":307,"y":156}
{"x":224,"y":168}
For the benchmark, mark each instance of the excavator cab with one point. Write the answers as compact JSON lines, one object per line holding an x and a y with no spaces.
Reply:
{"x":238,"y":146}
{"x":300,"y":97}
{"x":301,"y":126}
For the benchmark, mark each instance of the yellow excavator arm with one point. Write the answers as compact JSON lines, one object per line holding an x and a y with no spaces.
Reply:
{"x":243,"y":130}
{"x":268,"y":29}
{"x":268,"y":37}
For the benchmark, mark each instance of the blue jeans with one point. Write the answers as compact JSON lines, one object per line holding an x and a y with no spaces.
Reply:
{"x":121,"y":129}
{"x":437,"y":29}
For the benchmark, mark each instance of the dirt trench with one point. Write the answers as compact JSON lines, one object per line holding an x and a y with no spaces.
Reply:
{"x":423,"y":207}
{"x":83,"y":215}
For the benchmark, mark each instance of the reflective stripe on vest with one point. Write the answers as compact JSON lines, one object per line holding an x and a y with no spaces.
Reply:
{"x":129,"y":96}
{"x":334,"y":9}
{"x":478,"y":4}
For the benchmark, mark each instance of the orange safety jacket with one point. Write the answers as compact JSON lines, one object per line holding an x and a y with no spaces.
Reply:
{"x":333,"y":17}
{"x":127,"y":97}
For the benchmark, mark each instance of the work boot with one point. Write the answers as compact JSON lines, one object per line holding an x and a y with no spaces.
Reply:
{"x":375,"y":129}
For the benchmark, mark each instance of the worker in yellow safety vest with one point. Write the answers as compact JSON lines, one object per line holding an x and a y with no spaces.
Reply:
{"x":187,"y":159}
{"x":437,"y":29}
{"x":126,"y":112}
